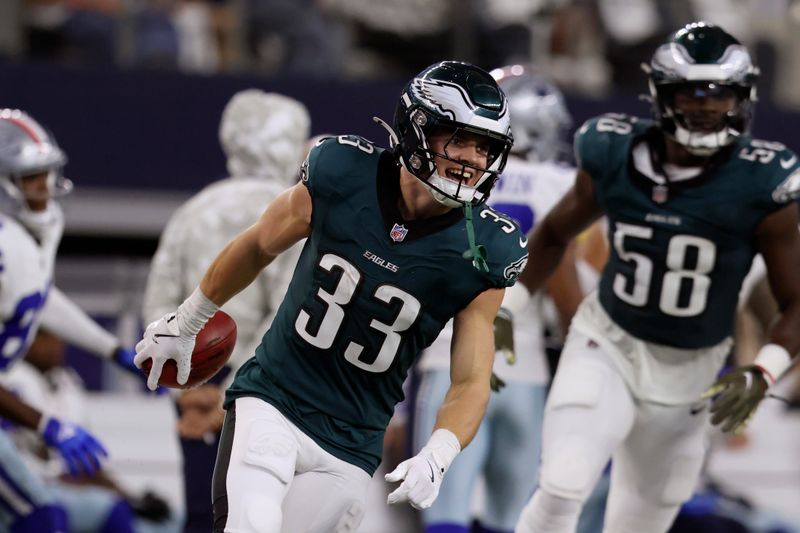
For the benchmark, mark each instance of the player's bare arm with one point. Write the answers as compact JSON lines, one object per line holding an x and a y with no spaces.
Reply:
{"x":550,"y":238}
{"x":741,"y":390}
{"x":286,"y":221}
{"x":778,"y":242}
{"x":565,"y":289}
{"x":81,"y":452}
{"x":472,"y":356}
{"x":593,"y":247}
{"x":17,"y":411}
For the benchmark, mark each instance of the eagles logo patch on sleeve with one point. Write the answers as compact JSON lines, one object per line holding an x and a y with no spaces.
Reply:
{"x":789,"y":189}
{"x":513,"y":270}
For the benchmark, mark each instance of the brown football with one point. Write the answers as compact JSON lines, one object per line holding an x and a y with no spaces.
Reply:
{"x":212,"y":349}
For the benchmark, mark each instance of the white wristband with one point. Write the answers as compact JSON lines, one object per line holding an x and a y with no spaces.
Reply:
{"x":444,"y":447}
{"x":194,"y":312}
{"x":774,"y":360}
{"x":516,"y":298}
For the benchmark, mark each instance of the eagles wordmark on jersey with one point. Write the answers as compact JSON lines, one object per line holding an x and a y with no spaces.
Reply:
{"x":362,"y":304}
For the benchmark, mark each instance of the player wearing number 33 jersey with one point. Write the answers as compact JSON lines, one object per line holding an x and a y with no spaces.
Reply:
{"x":398,"y":241}
{"x":363,"y":302}
{"x":690,"y":198}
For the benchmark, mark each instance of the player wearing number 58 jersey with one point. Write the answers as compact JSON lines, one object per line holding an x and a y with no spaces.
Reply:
{"x":690,"y":198}
{"x":398,"y":242}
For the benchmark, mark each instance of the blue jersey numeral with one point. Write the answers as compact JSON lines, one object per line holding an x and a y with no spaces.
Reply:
{"x":15,"y":330}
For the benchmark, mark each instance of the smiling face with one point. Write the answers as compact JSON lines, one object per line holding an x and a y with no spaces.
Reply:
{"x":704,"y":106}
{"x":460,"y":158}
{"x":460,"y":155}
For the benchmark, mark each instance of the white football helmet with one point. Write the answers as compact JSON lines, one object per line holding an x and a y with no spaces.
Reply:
{"x":26,"y":149}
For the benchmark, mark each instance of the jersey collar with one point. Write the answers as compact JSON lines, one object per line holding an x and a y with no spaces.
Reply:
{"x":660,"y":193}
{"x":388,"y":190}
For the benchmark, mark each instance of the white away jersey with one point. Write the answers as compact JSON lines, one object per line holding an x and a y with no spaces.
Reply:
{"x":526,"y":191}
{"x":26,"y":275}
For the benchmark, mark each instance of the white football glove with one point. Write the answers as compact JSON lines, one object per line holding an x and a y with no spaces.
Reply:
{"x":422,"y":474}
{"x":163,"y":341}
{"x":173,"y":336}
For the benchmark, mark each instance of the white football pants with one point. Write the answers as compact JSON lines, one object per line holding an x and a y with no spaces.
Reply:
{"x":657,"y":450}
{"x":270,"y":477}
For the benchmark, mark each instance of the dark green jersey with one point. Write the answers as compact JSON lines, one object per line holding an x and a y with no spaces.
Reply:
{"x":679,"y":249}
{"x":369,"y":292}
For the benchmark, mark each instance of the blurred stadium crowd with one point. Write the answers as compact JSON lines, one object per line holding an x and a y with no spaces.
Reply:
{"x":591,"y":49}
{"x":584,"y":45}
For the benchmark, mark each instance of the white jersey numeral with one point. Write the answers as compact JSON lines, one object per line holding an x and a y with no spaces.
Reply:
{"x":15,"y":332}
{"x":334,"y":316}
{"x":679,"y":272}
{"x":612,"y":123}
{"x":676,"y":262}
{"x":644,"y":266}
{"x":507,"y":225}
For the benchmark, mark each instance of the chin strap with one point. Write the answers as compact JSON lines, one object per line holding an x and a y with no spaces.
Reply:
{"x":393,"y":140}
{"x":476,"y":252}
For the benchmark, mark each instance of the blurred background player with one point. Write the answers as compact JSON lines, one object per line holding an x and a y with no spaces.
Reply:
{"x":690,"y":198}
{"x":93,"y":503}
{"x":264,"y":137}
{"x":533,"y":180}
{"x":31,"y":225}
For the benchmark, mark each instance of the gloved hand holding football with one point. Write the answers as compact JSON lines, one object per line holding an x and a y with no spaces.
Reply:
{"x":180,"y":360}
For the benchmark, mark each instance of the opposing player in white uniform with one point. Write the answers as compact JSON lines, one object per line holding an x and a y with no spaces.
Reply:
{"x":264,"y":137}
{"x":94,"y":504}
{"x":532,"y":182}
{"x":31,"y":225}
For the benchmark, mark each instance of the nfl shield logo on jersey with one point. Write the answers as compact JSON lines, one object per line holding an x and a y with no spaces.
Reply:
{"x":398,"y":232}
{"x":660,"y":194}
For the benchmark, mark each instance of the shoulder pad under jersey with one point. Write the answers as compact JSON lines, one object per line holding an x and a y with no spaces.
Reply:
{"x":334,"y":161}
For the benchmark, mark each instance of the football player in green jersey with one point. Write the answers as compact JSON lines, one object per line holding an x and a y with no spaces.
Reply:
{"x":690,"y":198}
{"x":397,"y":242}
